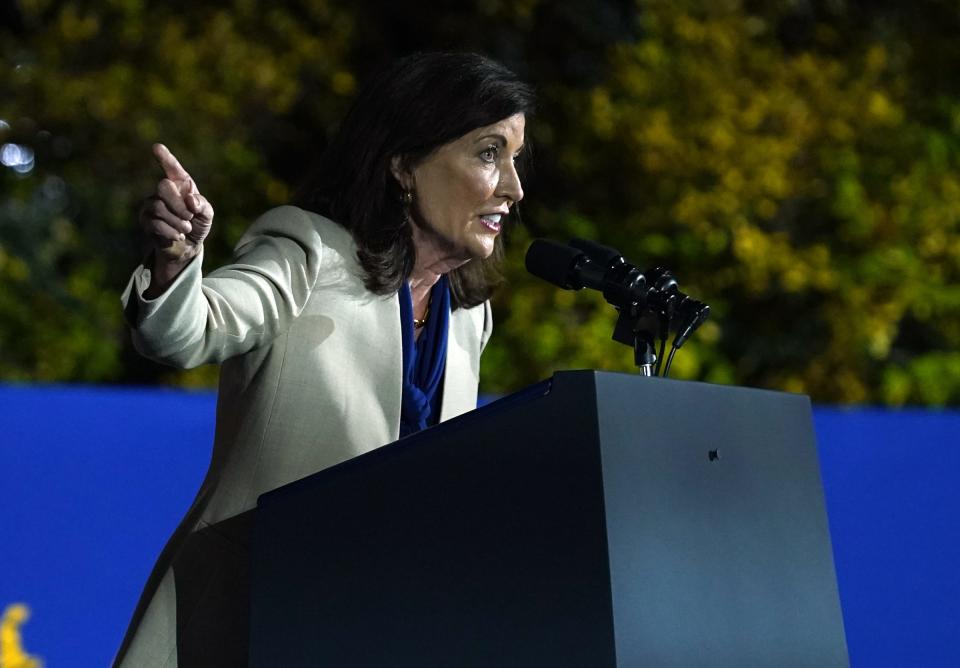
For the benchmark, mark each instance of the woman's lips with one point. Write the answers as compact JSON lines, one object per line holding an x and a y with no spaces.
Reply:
{"x":491,"y":221}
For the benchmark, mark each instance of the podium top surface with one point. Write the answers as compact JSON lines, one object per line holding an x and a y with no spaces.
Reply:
{"x":583,"y":387}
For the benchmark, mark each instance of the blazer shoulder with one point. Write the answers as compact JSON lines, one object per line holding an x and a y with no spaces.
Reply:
{"x":306,"y":227}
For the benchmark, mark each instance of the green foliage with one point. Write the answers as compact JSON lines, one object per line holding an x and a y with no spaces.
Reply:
{"x":794,"y":164}
{"x":89,"y":86}
{"x":808,"y":193}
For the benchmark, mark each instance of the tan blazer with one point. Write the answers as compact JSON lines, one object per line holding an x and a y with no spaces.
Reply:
{"x":310,"y":377}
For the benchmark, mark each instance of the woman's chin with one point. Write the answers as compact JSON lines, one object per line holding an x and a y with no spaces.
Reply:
{"x":483,"y":249}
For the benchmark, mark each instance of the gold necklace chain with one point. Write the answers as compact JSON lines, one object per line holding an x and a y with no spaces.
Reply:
{"x":418,"y":324}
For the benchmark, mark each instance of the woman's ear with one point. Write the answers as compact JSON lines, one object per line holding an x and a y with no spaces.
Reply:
{"x":401,"y":173}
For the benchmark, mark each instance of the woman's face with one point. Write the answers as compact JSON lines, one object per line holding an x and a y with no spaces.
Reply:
{"x":464,"y":190}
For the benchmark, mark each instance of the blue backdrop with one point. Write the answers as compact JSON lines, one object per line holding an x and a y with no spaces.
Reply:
{"x":94,"y":479}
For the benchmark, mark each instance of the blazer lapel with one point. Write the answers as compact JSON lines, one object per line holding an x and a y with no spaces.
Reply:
{"x":462,"y":371}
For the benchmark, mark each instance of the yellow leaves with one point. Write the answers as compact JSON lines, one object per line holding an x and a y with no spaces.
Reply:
{"x":277,"y":192}
{"x":809,"y":68}
{"x":205,"y":376}
{"x":33,"y":9}
{"x":709,"y":332}
{"x":793,"y":278}
{"x":933,"y":244}
{"x":766,"y":208}
{"x":656,"y":140}
{"x":651,"y":54}
{"x":689,"y":29}
{"x":760,"y":256}
{"x":686,"y":363}
{"x":755,"y":111}
{"x":147,"y":129}
{"x":264,"y":74}
{"x":850,"y":386}
{"x":896,"y":387}
{"x":13,"y":268}
{"x":518,"y":9}
{"x":930,"y":379}
{"x":882,"y":111}
{"x":950,"y":189}
{"x":76,"y":28}
{"x":880,"y":339}
{"x":774,"y":184}
{"x":793,"y":384}
{"x":850,"y":203}
{"x":107,"y":103}
{"x":876,"y":59}
{"x":343,"y":83}
{"x":733,"y":180}
{"x":601,"y":113}
{"x":721,"y":136}
{"x":690,"y":208}
{"x":657,"y":131}
{"x":720,"y":32}
{"x":217,"y":105}
{"x":769,"y":260}
{"x":840,"y":130}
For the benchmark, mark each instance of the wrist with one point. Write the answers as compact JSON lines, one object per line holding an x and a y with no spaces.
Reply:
{"x":166,"y":265}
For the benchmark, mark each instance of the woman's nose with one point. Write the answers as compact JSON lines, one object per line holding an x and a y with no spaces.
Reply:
{"x":509,"y":186}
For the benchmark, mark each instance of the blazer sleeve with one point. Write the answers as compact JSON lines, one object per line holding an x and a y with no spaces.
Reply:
{"x":236,"y":308}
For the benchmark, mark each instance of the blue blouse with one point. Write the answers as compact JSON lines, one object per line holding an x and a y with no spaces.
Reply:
{"x":424,"y":359}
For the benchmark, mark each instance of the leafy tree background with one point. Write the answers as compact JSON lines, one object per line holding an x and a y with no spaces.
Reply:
{"x":793,"y":162}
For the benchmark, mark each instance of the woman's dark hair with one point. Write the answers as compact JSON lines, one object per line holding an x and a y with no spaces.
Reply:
{"x":418,"y":104}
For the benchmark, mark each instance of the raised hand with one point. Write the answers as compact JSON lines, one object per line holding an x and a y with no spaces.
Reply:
{"x":177,"y":218}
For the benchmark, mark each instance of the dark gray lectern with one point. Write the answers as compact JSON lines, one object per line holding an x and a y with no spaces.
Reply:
{"x":594,"y":520}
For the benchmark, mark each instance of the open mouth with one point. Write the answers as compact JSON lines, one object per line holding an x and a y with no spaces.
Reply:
{"x":491,"y":221}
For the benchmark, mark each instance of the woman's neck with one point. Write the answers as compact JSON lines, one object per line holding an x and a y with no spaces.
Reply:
{"x":432,"y":262}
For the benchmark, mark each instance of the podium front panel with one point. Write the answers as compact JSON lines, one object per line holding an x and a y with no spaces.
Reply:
{"x":479,"y":542}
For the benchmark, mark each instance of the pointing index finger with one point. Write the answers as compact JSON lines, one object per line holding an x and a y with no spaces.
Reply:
{"x":171,"y":166}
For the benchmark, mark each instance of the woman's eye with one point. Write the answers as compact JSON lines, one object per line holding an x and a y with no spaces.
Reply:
{"x":489,"y":154}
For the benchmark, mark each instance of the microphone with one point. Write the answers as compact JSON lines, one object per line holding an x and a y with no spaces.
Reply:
{"x":556,"y":263}
{"x":570,"y":268}
{"x":635,"y":294}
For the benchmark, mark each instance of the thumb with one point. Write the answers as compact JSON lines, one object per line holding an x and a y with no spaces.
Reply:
{"x":199,"y":207}
{"x":193,"y":203}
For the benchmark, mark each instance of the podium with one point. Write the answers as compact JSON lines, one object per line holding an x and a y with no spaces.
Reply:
{"x":596,"y":519}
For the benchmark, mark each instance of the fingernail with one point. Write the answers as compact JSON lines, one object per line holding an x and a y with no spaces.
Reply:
{"x":196,"y":201}
{"x":182,"y":236}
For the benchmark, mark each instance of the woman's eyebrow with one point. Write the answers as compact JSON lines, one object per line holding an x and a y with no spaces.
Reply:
{"x":500,"y":138}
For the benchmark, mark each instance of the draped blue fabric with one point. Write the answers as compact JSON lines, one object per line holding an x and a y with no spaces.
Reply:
{"x":424,"y":359}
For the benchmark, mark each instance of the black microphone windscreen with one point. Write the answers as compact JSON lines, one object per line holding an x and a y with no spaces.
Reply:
{"x":602,"y":255}
{"x":554,"y":263}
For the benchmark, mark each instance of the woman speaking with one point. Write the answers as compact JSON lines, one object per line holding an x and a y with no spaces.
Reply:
{"x":340,"y":326}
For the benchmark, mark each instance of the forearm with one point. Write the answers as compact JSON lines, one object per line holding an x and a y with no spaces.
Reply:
{"x":183,"y":319}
